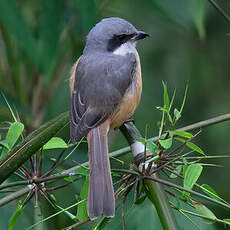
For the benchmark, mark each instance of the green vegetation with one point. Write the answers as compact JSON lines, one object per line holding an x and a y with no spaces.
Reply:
{"x":44,"y":178}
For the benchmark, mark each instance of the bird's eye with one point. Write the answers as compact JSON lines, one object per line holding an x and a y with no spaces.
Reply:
{"x":122,"y":37}
{"x":118,"y":40}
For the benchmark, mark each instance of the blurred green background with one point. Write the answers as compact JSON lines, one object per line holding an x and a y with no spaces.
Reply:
{"x":41,"y":39}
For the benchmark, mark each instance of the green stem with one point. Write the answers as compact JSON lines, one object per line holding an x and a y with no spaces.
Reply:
{"x":187,"y":190}
{"x":156,"y":190}
{"x":162,"y":205}
{"x":206,"y":123}
{"x":22,"y":152}
{"x":130,"y":135}
{"x":14,"y":196}
{"x":12,"y":161}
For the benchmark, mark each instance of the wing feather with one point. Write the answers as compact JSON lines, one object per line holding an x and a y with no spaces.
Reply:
{"x":100,"y":84}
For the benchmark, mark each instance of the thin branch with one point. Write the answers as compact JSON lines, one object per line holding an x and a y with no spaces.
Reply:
{"x":206,"y":123}
{"x":12,"y":184}
{"x":78,"y":224}
{"x":55,"y":164}
{"x":63,"y":185}
{"x":219,"y":9}
{"x":14,"y":196}
{"x":38,"y":180}
{"x":123,"y":213}
{"x":20,"y":176}
{"x":57,"y":213}
{"x":186,"y":190}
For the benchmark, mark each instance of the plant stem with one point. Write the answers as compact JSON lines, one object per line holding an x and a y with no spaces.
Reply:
{"x":156,"y":190}
{"x":22,"y":152}
{"x":186,"y":190}
{"x":206,"y":123}
{"x":14,"y":196}
{"x":201,"y":124}
{"x":78,"y":224}
{"x":11,"y":162}
{"x":162,"y":205}
{"x":220,"y":10}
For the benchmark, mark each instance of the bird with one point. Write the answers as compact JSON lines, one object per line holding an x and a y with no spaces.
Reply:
{"x":106,"y":87}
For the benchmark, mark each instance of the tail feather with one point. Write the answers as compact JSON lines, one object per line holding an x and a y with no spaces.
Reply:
{"x":101,"y":194}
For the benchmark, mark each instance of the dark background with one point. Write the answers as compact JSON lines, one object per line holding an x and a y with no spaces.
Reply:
{"x":189,"y":44}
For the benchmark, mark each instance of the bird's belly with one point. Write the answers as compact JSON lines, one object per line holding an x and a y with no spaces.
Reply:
{"x":130,"y":100}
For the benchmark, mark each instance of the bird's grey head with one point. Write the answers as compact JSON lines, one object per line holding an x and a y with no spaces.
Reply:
{"x":111,"y":33}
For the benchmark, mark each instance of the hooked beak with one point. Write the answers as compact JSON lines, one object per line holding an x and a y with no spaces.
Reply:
{"x":140,"y":35}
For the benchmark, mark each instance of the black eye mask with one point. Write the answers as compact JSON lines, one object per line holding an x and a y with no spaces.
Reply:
{"x":117,"y":40}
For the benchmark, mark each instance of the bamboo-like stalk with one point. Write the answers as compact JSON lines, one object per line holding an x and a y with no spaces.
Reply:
{"x":21,"y":153}
{"x":14,"y":196}
{"x":156,"y":190}
{"x":162,"y":205}
{"x":13,"y":160}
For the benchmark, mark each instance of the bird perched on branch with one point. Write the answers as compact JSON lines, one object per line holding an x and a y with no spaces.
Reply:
{"x":106,"y":88}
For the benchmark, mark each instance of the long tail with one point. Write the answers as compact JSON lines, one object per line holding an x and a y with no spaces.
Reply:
{"x":101,"y":194}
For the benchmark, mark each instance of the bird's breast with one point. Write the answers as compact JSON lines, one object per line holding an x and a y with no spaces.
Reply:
{"x":131,"y":98}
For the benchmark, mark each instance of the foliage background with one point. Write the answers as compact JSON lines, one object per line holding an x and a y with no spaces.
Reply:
{"x":189,"y":43}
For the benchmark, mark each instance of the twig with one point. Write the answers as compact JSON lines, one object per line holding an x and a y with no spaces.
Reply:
{"x":78,"y":224}
{"x":206,"y":123}
{"x":55,"y":164}
{"x":20,"y":176}
{"x":186,"y":190}
{"x":219,"y":9}
{"x":201,"y":124}
{"x":123,"y":213}
{"x":63,"y":185}
{"x":14,"y":196}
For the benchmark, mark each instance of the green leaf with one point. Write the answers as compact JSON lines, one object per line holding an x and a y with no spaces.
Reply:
{"x":9,"y":107}
{"x":82,"y":171}
{"x":101,"y":224}
{"x":142,"y":140}
{"x":185,"y":167}
{"x":14,"y":218}
{"x":227,"y":221}
{"x":204,"y":211}
{"x":4,"y":144}
{"x":162,"y":109}
{"x":167,"y":143}
{"x":197,"y":11}
{"x":55,"y":143}
{"x":172,"y":100}
{"x":152,"y":147}
{"x":177,"y":114}
{"x":184,"y":99}
{"x":82,"y":208}
{"x":210,"y":192}
{"x":68,"y":179}
{"x":191,"y":146}
{"x":191,"y":175}
{"x":12,"y":135}
{"x":183,"y":134}
{"x":141,"y":199}
{"x":166,"y":96}
{"x":69,"y":214}
{"x":32,"y":143}
{"x":148,"y":194}
{"x":176,"y":170}
{"x":195,"y":148}
{"x":170,"y":118}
